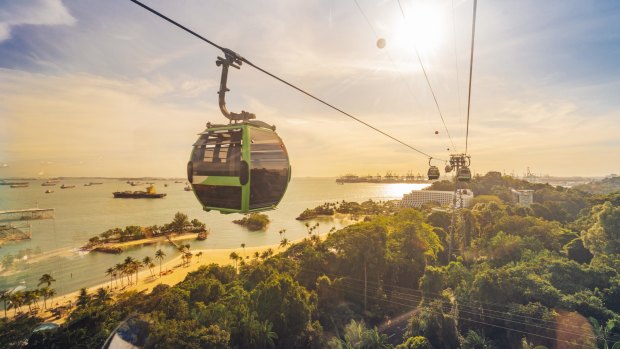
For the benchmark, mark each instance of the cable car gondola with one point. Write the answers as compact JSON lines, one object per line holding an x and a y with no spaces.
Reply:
{"x":241,"y":167}
{"x":433,"y":171}
{"x":463,"y":174}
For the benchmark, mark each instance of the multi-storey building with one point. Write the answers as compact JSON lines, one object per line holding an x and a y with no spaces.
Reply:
{"x":417,"y":198}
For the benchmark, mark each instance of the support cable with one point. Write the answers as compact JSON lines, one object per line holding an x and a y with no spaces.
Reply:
{"x":471,"y":65}
{"x":456,"y":64}
{"x":428,"y":82}
{"x":225,"y":50}
{"x":390,"y":57}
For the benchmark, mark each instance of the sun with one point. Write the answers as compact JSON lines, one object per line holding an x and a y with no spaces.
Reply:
{"x":423,"y":28}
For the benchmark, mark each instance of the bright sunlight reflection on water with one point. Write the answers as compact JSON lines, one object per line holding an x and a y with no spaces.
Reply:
{"x":397,"y":190}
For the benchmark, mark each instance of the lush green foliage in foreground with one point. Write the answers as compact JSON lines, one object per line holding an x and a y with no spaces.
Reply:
{"x":519,"y":277}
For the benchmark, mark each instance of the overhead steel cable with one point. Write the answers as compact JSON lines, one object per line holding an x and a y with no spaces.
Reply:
{"x":456,"y":64}
{"x":372,"y":28}
{"x":428,"y":82}
{"x":228,"y":51}
{"x":471,"y":65}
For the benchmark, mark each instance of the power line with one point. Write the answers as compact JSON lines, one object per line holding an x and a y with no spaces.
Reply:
{"x":410,"y":294}
{"x":225,"y":50}
{"x":471,"y":65}
{"x":428,"y":82}
{"x":405,"y":303}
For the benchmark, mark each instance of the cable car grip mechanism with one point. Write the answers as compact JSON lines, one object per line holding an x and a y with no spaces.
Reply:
{"x":231,"y":59}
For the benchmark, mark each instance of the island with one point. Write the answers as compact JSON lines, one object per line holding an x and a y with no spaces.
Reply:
{"x":115,"y":240}
{"x":254,"y":221}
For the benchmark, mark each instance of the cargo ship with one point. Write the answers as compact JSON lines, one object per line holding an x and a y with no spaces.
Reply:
{"x":148,"y":194}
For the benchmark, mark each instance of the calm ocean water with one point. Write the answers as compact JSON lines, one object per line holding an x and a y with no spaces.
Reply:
{"x":83,"y":212}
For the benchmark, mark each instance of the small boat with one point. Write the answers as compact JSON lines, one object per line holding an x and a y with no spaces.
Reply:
{"x":187,"y":188}
{"x":67,"y":186}
{"x":48,"y":184}
{"x":95,"y":183}
{"x":87,"y":184}
{"x":49,"y":191}
{"x":178,"y":181}
{"x":19,"y":185}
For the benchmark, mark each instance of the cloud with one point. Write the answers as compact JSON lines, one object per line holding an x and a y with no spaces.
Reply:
{"x":32,"y":12}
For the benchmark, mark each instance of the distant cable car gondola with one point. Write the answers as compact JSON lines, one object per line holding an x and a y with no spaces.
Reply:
{"x":463,"y":174}
{"x":240,"y":167}
{"x":433,"y":171}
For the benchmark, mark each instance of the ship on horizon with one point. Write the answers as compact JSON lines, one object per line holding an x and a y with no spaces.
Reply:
{"x":148,"y":194}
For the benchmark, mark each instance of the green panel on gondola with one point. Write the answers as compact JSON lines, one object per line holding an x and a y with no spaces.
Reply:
{"x":240,"y":168}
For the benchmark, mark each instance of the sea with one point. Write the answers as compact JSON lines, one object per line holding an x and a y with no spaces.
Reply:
{"x":86,"y":211}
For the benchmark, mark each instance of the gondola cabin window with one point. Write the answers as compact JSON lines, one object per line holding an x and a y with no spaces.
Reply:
{"x":269,"y":168}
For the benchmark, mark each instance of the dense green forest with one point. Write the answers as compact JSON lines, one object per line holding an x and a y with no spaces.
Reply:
{"x":544,"y":276}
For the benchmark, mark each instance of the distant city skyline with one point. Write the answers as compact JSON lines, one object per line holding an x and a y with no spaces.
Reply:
{"x":108,"y":89}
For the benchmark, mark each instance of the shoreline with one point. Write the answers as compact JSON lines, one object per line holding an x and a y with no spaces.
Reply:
{"x":172,"y":273}
{"x":145,"y":241}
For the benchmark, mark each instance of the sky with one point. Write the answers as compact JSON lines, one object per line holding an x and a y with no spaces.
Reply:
{"x":105,"y":88}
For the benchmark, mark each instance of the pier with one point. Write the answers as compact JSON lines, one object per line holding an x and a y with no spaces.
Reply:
{"x":29,"y":214}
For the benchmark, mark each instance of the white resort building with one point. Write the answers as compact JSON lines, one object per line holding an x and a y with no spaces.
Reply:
{"x":417,"y":198}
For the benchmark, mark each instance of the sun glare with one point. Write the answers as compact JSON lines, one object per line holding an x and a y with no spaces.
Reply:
{"x":423,"y":28}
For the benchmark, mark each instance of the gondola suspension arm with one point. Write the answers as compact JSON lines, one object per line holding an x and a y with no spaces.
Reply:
{"x":232,"y":60}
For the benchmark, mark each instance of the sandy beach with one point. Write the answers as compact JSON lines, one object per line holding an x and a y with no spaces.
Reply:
{"x":173,"y":272}
{"x":148,"y":241}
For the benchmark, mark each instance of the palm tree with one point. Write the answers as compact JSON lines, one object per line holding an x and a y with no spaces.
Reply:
{"x":44,"y":292}
{"x":284,"y":242}
{"x":266,"y":335}
{"x":243,"y":247}
{"x":4,"y":297}
{"x":474,"y":340}
{"x":147,"y":261}
{"x":136,"y":268}
{"x":256,"y":254}
{"x":16,"y":300}
{"x":199,"y":254}
{"x":159,"y":254}
{"x":120,"y":271}
{"x":29,"y":298}
{"x":50,"y":295}
{"x":188,"y":257}
{"x":83,"y":298}
{"x":102,"y":295}
{"x":128,"y":266}
{"x":46,"y":279}
{"x":235,"y":257}
{"x":110,"y":272}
